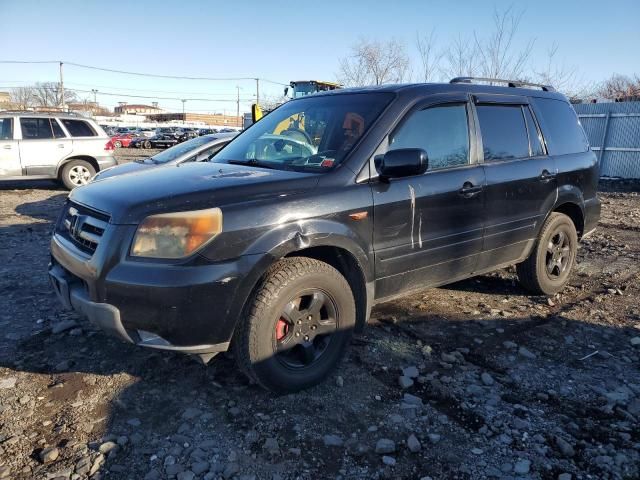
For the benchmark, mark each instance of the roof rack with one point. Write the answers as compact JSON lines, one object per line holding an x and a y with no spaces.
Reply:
{"x":510,"y":83}
{"x":43,"y":112}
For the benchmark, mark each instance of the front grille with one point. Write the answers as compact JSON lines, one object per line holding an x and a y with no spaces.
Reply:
{"x":82,"y":226}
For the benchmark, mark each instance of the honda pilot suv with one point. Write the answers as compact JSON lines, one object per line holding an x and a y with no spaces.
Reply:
{"x":63,"y":147}
{"x":279,"y":246}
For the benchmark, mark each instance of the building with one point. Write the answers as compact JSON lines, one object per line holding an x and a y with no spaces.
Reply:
{"x":5,"y":100}
{"x":216,"y":119}
{"x":136,"y":109}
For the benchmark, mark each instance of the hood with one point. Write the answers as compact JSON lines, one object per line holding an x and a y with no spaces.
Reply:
{"x":122,"y":169}
{"x":188,"y":186}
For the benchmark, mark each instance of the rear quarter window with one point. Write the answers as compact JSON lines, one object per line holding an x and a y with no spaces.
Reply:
{"x":79,"y":128}
{"x":561,"y":127}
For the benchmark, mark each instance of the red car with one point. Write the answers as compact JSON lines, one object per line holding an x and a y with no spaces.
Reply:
{"x":122,"y":140}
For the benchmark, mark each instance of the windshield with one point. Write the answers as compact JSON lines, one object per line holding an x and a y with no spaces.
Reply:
{"x":311,"y":134}
{"x":179,"y":150}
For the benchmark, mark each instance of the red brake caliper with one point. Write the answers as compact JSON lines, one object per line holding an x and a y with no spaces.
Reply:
{"x":282,"y":327}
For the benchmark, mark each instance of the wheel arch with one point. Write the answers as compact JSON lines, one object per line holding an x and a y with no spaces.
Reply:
{"x":86,"y":158}
{"x":575,"y":213}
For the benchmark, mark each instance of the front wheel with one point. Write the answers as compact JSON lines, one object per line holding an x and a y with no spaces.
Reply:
{"x":547,"y":269}
{"x":298,"y":325}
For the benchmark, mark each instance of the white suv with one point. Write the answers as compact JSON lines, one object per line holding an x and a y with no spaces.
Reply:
{"x":62,"y":147}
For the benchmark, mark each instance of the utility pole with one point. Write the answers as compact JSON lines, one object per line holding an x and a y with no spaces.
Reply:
{"x":95,"y":102}
{"x":258,"y":91}
{"x":62,"y":89}
{"x":238,"y":107}
{"x":184,"y":117}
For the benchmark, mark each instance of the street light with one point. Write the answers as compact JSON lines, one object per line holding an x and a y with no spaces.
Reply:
{"x":183,"y":115}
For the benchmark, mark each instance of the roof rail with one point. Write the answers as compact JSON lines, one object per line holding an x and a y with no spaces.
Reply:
{"x":510,"y":83}
{"x":43,"y":112}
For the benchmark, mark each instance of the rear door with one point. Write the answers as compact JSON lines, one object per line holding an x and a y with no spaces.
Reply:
{"x":43,"y":145}
{"x":9,"y":153}
{"x":520,"y":176}
{"x":428,"y":228}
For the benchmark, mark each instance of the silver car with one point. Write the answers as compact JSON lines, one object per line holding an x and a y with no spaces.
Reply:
{"x":199,"y":149}
{"x":63,"y":147}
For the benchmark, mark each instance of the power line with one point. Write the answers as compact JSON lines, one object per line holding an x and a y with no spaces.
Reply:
{"x":112,"y":94}
{"x":141,"y":74}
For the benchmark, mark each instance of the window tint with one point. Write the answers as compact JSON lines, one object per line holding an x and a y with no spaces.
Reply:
{"x":561,"y":127}
{"x":35,"y":128}
{"x":441,"y":131}
{"x":6,"y":129}
{"x":57,"y":130}
{"x":504,"y":135}
{"x":78,"y":128}
{"x":535,"y":139}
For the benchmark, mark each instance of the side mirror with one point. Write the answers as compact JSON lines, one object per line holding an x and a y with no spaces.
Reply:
{"x":202,"y":157}
{"x":403,"y":162}
{"x":286,"y":91}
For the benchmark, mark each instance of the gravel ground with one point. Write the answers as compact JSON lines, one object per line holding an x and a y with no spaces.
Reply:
{"x":473,"y":380}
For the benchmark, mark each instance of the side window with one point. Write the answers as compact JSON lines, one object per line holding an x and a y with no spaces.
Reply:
{"x":6,"y":129}
{"x":57,"y":130}
{"x":535,"y":138}
{"x":35,"y":128}
{"x":78,"y":128}
{"x":442,"y":131}
{"x":504,"y":135}
{"x":561,"y":127}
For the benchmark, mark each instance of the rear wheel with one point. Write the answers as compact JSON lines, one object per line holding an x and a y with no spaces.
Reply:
{"x":548,"y":268}
{"x":147,"y":144}
{"x":77,"y":173}
{"x":298,"y":326}
{"x":117,"y":144}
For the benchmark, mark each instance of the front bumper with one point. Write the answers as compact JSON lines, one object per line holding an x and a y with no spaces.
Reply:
{"x":183,"y":308}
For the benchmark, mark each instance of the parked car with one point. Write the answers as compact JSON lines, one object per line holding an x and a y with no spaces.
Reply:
{"x":122,"y":140}
{"x":207,"y":131}
{"x":185,"y":134}
{"x":199,"y":149}
{"x":144,"y":132}
{"x":157,"y":141}
{"x":61,"y":147}
{"x":280,"y":248}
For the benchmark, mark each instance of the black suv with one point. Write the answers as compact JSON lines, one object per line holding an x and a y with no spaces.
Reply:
{"x":279,"y":246}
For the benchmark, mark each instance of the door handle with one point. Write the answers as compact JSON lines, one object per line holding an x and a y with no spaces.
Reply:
{"x":546,"y":176}
{"x":468,"y":190}
{"x":61,"y":145}
{"x":7,"y":147}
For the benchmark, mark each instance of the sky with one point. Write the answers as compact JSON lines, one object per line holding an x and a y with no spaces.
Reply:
{"x":278,"y":41}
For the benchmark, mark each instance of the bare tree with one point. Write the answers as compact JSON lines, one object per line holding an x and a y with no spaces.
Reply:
{"x":49,"y":94}
{"x":497,"y":54}
{"x":430,"y":57}
{"x":374,"y":63}
{"x":460,"y":59}
{"x":561,"y":76}
{"x":22,"y":98}
{"x":620,"y":88}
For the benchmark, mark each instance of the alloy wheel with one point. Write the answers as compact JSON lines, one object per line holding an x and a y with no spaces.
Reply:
{"x":79,"y":175}
{"x":305,"y":328}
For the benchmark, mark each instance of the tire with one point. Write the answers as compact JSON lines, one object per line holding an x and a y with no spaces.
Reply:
{"x":117,"y":144}
{"x":279,"y":343}
{"x":76,"y":173}
{"x":548,"y":268}
{"x":146,"y":144}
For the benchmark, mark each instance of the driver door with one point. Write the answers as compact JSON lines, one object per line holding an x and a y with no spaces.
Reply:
{"x":428,"y":229}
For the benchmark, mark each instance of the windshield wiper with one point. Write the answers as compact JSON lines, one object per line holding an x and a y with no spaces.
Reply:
{"x":254,"y":163}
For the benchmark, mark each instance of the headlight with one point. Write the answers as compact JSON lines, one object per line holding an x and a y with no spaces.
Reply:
{"x":176,"y":235}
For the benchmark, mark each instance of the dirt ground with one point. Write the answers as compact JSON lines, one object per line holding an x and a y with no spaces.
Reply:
{"x":504,"y":384}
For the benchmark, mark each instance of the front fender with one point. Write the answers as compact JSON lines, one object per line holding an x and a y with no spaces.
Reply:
{"x":303,"y":234}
